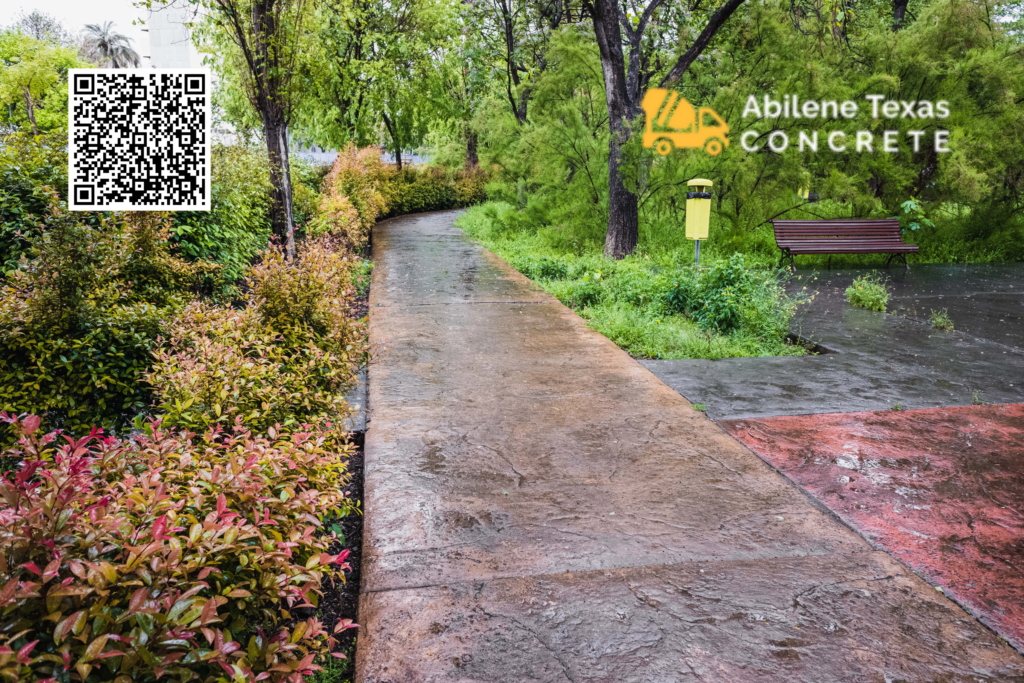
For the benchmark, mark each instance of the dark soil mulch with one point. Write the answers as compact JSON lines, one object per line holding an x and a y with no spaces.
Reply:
{"x":341,"y":599}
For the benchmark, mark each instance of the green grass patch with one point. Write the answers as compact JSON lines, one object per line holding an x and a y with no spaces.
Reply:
{"x":653,"y":305}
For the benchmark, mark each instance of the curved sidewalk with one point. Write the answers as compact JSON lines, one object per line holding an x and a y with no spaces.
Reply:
{"x":539,"y":507}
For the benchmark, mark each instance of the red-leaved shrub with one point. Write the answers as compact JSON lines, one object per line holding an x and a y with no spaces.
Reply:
{"x":170,"y":555}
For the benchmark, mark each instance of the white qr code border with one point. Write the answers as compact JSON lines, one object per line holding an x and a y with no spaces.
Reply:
{"x":76,"y":203}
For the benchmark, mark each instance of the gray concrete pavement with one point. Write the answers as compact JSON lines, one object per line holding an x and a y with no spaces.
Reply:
{"x":881,"y":359}
{"x":539,"y":507}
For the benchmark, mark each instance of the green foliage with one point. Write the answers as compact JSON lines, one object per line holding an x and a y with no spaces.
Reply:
{"x":164,"y":556}
{"x":650,"y":306}
{"x":913,"y":216}
{"x":702,"y":407}
{"x":33,"y":81}
{"x":940,"y":320}
{"x":285,"y":359}
{"x":553,"y":165}
{"x":237,"y":227}
{"x":361,"y":271}
{"x":80,"y":315}
{"x":416,"y":190}
{"x":870,"y":292}
{"x":721,"y":290}
{"x":28,"y":164}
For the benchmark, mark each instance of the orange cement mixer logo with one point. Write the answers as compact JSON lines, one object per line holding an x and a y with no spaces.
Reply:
{"x":673,"y":122}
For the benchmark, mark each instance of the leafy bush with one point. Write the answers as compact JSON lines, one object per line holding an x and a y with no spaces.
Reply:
{"x":639,"y":287}
{"x":541,"y":268}
{"x":577,"y":293}
{"x":285,"y":359}
{"x":351,"y":200}
{"x":80,"y":315}
{"x":721,"y":291}
{"x":681,"y":295}
{"x":167,"y":556}
{"x":237,"y":227}
{"x":27,"y":165}
{"x":307,"y":181}
{"x":361,"y":272}
{"x":870,"y":292}
{"x":415,"y":190}
{"x":651,"y":305}
{"x":940,"y":320}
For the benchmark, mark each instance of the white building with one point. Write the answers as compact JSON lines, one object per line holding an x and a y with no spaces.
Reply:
{"x":169,"y":44}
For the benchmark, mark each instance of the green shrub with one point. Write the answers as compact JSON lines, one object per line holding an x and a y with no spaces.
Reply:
{"x":721,"y":292}
{"x":237,"y":227}
{"x":577,"y":293}
{"x":167,"y":555}
{"x":870,"y":292}
{"x":81,"y":314}
{"x":541,"y":268}
{"x":639,"y":287}
{"x":287,"y":358}
{"x":416,"y":190}
{"x":361,"y":273}
{"x":27,"y":165}
{"x":681,"y":296}
{"x":940,"y":320}
{"x":352,"y":198}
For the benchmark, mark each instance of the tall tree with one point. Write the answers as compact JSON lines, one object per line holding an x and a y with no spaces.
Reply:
{"x":269,"y":37}
{"x":384,"y":71}
{"x":109,"y":48}
{"x":31,"y":70}
{"x":624,"y":84}
{"x":44,"y":27}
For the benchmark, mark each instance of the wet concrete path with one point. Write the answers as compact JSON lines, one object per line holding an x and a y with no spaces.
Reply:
{"x":539,"y":507}
{"x":881,"y":360}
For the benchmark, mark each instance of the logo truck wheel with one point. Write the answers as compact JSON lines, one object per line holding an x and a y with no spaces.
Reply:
{"x":713,"y":147}
{"x":663,"y":146}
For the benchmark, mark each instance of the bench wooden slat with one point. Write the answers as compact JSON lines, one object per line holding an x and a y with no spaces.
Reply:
{"x":841,"y":236}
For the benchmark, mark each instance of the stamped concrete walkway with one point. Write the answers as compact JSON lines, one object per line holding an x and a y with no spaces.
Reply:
{"x":539,"y":507}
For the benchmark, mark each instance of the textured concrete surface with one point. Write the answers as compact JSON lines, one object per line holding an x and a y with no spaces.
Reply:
{"x":357,"y":399}
{"x":941,"y":489}
{"x":539,"y":507}
{"x":881,"y":359}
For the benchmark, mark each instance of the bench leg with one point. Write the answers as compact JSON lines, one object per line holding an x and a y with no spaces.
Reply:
{"x":792,"y":262}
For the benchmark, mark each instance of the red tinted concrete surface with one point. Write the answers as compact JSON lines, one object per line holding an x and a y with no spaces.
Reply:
{"x":942,"y":489}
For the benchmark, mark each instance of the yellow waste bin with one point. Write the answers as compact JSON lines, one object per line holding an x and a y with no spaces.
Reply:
{"x":698,"y":211}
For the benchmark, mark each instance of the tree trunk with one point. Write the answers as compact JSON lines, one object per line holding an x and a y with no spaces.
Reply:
{"x":623,"y":218}
{"x":623,"y":209}
{"x":899,"y":11}
{"x":472,"y":159}
{"x":281,"y":219}
{"x":30,"y":110}
{"x":395,"y":146}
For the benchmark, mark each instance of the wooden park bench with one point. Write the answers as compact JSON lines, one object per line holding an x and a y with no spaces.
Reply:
{"x":843,"y":236}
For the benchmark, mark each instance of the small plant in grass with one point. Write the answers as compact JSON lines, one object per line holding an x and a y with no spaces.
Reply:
{"x":940,"y":320}
{"x":172,"y":556}
{"x":870,"y":292}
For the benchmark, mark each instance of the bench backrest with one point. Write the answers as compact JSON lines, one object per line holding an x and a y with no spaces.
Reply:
{"x":884,"y":231}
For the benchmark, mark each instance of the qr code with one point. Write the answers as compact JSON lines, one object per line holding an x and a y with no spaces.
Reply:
{"x":139,"y":139}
